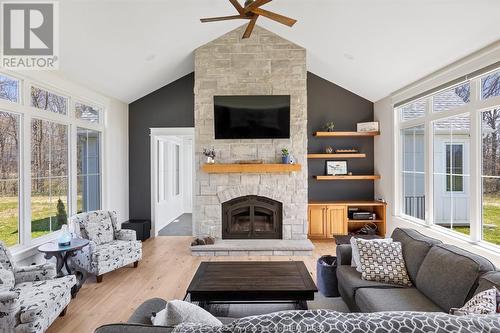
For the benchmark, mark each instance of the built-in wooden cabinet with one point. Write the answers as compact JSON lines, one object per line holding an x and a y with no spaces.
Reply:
{"x":330,"y":219}
{"x":326,"y":221}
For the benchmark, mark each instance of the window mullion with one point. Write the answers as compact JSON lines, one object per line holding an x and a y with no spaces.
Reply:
{"x":73,"y":167}
{"x":429,"y":166}
{"x":25,"y":201}
{"x":475,"y":166}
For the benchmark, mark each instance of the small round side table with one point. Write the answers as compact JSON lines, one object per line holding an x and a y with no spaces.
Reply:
{"x":64,"y":255}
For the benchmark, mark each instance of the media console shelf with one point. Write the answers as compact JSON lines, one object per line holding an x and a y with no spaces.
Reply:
{"x":250,"y":168}
{"x":328,"y":219}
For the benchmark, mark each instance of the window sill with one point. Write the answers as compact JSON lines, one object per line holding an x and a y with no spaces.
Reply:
{"x":23,"y":252}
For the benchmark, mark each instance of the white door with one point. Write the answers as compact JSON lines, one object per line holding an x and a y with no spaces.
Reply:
{"x":170,"y":188}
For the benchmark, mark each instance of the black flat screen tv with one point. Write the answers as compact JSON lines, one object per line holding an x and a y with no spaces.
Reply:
{"x":252,"y":117}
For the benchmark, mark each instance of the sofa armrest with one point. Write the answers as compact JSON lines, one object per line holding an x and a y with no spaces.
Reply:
{"x":344,"y":254}
{"x":41,"y":272}
{"x":126,"y":235}
{"x":133,"y":328}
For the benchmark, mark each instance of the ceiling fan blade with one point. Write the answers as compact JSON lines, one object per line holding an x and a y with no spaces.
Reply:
{"x":256,"y":4}
{"x":275,"y":17}
{"x":223,"y":18}
{"x":250,"y":26}
{"x":238,"y":7}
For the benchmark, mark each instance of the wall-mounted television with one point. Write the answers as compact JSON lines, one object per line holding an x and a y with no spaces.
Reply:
{"x":252,"y":117}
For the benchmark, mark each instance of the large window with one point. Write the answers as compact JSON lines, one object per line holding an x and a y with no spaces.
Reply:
{"x":88,"y":171}
{"x":454,"y":133}
{"x":490,"y":129}
{"x":49,"y":177}
{"x":9,"y":178}
{"x":413,"y":172}
{"x":451,"y":180}
{"x":50,"y":159}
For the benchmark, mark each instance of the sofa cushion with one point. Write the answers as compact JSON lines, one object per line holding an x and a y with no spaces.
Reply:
{"x":7,"y":279}
{"x":396,"y":299}
{"x":448,"y":275}
{"x":350,"y":281}
{"x":488,"y":281}
{"x":415,"y":248}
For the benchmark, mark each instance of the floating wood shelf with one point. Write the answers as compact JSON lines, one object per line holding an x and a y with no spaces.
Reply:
{"x":327,"y":156}
{"x":250,"y":168}
{"x":365,"y":221}
{"x":347,"y":177}
{"x":344,"y":134}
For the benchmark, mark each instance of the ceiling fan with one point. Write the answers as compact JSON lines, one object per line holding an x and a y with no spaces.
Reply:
{"x":251,"y":11}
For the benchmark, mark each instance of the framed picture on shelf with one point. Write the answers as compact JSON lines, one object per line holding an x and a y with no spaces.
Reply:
{"x":334,"y":168}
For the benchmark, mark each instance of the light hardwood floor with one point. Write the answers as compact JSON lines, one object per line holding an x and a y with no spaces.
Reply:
{"x":165,"y":271}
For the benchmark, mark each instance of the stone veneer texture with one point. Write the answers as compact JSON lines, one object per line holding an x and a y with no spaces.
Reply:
{"x":264,"y":64}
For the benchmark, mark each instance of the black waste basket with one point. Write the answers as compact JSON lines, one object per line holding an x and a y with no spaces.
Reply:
{"x":326,"y":276}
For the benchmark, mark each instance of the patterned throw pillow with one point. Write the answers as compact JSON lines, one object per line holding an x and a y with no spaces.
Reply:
{"x":101,"y":232}
{"x":355,"y":252}
{"x":383,"y":262}
{"x":484,"y":303}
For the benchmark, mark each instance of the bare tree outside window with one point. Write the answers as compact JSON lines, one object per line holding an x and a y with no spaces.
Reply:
{"x":9,"y":178}
{"x":46,"y":100}
{"x":49,"y":175}
{"x":490,"y":85}
{"x":9,"y":89}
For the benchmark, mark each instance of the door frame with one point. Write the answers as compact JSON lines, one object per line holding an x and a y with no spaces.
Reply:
{"x":155,"y":133}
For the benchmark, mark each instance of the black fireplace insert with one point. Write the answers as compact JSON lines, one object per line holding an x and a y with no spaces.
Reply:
{"x":252,"y":217}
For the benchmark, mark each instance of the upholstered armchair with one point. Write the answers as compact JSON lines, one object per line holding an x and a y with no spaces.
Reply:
{"x":31,"y":297}
{"x":110,"y":247}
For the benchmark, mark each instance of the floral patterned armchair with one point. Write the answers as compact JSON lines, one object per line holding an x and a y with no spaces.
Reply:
{"x":31,"y":297}
{"x":110,"y":247}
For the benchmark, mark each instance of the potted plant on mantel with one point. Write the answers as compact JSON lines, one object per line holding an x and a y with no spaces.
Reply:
{"x":285,"y":156}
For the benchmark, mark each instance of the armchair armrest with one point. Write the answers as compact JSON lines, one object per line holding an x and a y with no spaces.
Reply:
{"x":9,"y":307}
{"x":344,"y":254}
{"x":125,"y":235}
{"x":46,"y":271}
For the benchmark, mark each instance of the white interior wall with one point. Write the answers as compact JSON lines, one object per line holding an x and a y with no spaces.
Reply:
{"x":385,"y":150}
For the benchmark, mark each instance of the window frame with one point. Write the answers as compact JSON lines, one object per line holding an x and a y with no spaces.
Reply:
{"x":26,"y":113}
{"x":473,"y":109}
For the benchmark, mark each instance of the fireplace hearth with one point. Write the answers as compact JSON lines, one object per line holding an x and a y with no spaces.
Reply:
{"x":252,"y":217}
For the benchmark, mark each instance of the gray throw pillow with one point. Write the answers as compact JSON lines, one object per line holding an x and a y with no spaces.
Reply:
{"x":383,"y":262}
{"x":355,"y":252}
{"x":183,"y":312}
{"x":101,"y":232}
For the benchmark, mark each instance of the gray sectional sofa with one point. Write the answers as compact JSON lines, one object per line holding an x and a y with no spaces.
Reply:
{"x":443,"y":277}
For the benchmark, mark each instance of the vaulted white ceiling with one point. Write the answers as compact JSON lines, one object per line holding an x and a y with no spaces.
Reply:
{"x":129,"y":48}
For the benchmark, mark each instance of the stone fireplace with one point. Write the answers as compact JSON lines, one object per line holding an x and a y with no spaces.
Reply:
{"x":252,"y":217}
{"x":276,"y":207}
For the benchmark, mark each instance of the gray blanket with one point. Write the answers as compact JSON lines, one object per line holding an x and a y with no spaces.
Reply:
{"x":326,"y":321}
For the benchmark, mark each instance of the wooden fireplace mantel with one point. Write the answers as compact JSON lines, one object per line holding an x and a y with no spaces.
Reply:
{"x":250,"y":168}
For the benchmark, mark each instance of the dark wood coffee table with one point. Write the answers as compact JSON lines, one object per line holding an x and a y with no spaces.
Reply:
{"x":251,"y":282}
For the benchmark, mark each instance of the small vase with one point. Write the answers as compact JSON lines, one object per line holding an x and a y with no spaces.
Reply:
{"x":64,"y":238}
{"x":285,"y":159}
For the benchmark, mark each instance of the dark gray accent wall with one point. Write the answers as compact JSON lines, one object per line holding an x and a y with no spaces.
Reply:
{"x":170,"y":106}
{"x":173,"y":106}
{"x":328,"y":102}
